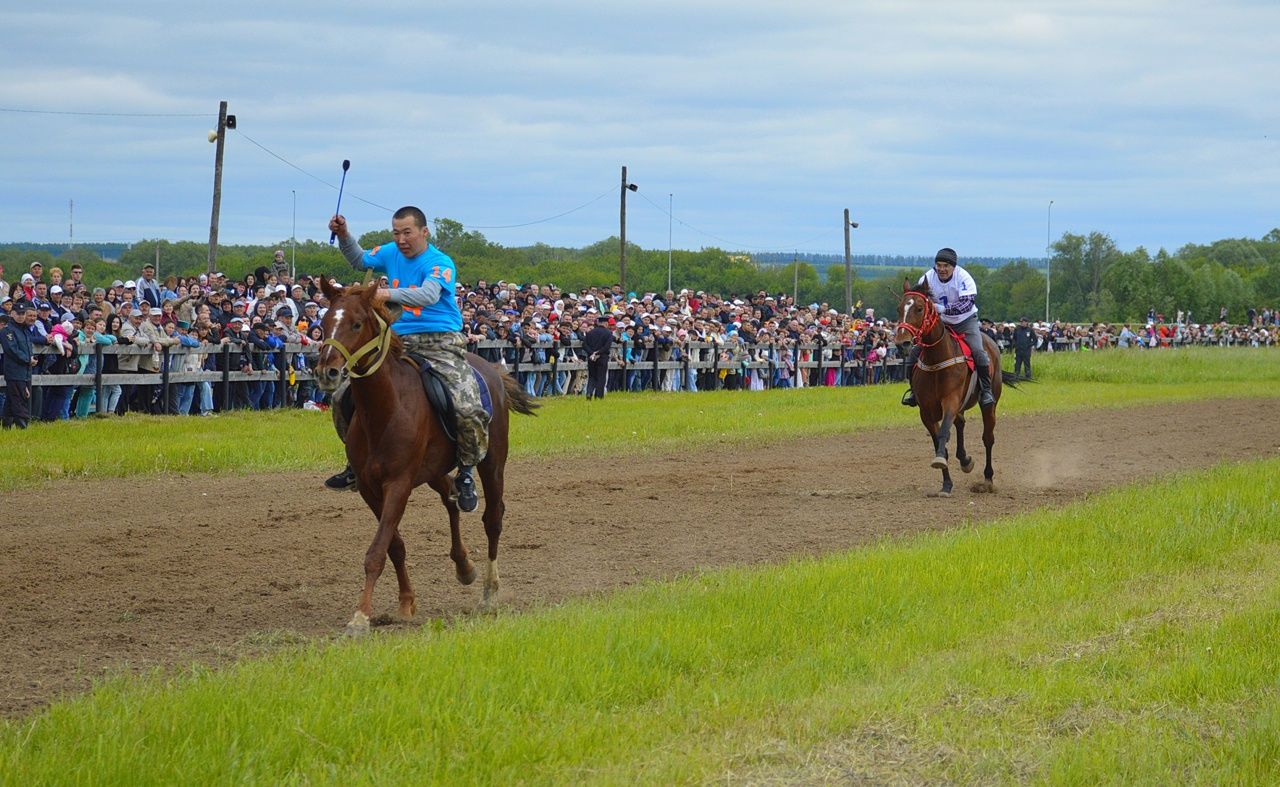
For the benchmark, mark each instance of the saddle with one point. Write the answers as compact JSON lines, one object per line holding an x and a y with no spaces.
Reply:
{"x":964,"y":347}
{"x":433,"y":384}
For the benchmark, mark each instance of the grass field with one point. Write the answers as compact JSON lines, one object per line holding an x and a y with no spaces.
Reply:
{"x":1128,"y":639}
{"x":296,"y":440}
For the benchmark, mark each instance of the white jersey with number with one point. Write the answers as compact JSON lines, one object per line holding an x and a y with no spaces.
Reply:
{"x":955,"y":300}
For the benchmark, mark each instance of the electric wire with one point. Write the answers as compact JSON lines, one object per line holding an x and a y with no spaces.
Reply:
{"x":110,"y":114}
{"x":733,"y":244}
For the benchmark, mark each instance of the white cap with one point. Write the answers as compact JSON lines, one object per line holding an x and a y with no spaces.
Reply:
{"x":130,"y":285}
{"x":55,"y":289}
{"x":281,"y":288}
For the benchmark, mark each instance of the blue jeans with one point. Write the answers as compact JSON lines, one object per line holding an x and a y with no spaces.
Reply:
{"x":206,"y":396}
{"x":186,"y":395}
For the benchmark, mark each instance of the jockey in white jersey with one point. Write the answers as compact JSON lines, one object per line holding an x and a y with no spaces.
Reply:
{"x":954,"y":295}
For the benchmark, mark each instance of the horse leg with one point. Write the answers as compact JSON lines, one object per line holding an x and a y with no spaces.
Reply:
{"x":966,"y":461}
{"x":393,"y":502}
{"x":988,"y":440}
{"x":466,"y":570}
{"x":940,"y":441}
{"x":491,"y":473}
{"x":408,"y":600}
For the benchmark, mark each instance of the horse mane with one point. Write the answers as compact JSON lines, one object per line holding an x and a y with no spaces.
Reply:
{"x":396,"y":348}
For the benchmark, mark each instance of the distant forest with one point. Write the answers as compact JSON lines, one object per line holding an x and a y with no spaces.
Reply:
{"x":1092,"y":280}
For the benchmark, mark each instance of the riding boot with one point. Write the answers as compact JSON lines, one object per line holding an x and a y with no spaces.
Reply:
{"x":909,"y":398}
{"x":985,"y":397}
{"x":344,"y":480}
{"x":466,"y":487}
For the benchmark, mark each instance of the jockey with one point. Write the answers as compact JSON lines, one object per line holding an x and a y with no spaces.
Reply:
{"x":954,"y":293}
{"x":422,"y":282}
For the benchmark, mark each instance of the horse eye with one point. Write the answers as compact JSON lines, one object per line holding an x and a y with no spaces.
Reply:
{"x":355,"y":326}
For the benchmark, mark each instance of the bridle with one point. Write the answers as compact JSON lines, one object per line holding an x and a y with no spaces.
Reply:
{"x":378,"y":345}
{"x":927,"y":323}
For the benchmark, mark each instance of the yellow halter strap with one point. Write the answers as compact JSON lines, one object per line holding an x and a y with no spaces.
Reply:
{"x":379,"y":345}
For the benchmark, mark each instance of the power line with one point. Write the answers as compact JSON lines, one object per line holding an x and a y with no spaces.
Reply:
{"x":549,"y":218}
{"x":318,"y":179}
{"x":743,"y":246}
{"x":111,"y":114}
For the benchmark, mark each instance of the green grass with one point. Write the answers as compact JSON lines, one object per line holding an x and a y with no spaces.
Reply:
{"x":1130,"y":638}
{"x":295,"y":440}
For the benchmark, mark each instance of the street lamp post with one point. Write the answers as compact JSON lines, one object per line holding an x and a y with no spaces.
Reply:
{"x":670,"y":218}
{"x":848,"y":264}
{"x":293,"y":241}
{"x":1048,"y":256}
{"x":622,"y":232}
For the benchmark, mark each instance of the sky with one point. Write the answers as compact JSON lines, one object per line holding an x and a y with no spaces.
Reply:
{"x":757,"y":123}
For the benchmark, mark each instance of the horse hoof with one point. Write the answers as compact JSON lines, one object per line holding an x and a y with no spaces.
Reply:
{"x":467,"y":575}
{"x":940,"y":493}
{"x":939,"y":463}
{"x":359,"y":625}
{"x":967,"y":465}
{"x":982,"y":487}
{"x":407,"y":611}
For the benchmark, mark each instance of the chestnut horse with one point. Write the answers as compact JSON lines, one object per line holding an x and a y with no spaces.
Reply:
{"x":395,"y":441}
{"x":945,"y":387}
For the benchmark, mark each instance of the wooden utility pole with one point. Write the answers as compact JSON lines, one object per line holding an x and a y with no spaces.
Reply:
{"x":217,"y":187}
{"x":622,"y":233}
{"x":848,"y":267}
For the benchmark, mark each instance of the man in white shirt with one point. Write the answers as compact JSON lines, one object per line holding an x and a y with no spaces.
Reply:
{"x":954,"y":294}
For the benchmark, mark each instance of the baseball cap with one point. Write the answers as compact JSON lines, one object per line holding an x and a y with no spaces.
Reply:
{"x":37,"y":264}
{"x":55,"y":289}
{"x":117,"y":283}
{"x":135,"y":313}
{"x":281,"y":288}
{"x":130,"y":285}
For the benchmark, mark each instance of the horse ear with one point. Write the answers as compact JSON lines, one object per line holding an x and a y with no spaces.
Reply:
{"x":330,"y":289}
{"x":906,"y":284}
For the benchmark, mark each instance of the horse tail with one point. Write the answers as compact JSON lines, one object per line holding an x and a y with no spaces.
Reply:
{"x":518,"y":398}
{"x":1010,"y":379}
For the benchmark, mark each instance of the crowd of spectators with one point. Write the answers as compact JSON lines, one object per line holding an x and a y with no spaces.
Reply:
{"x":674,"y":340}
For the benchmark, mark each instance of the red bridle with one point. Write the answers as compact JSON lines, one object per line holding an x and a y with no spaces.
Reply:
{"x":927,"y":323}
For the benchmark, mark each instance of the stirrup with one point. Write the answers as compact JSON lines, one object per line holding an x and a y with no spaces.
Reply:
{"x":466,"y":488}
{"x":909,"y":398}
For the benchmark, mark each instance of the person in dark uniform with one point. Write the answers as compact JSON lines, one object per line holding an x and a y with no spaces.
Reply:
{"x":19,"y":358}
{"x":597,"y":344}
{"x":1024,"y":341}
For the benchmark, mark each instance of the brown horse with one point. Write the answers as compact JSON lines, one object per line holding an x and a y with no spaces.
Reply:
{"x":944,"y":386}
{"x":395,"y":441}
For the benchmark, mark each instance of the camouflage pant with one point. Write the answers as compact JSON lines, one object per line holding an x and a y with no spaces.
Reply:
{"x":448,"y":354}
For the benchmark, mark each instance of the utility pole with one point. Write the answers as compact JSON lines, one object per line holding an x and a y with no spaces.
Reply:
{"x":795,"y":275}
{"x":622,"y":233}
{"x":71,"y":223}
{"x":1048,"y":256}
{"x":293,"y":242}
{"x":158,"y":276}
{"x":670,"y":218}
{"x":217,"y":186}
{"x":848,"y":265}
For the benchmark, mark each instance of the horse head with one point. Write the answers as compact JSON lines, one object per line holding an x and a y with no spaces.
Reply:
{"x":357,"y":334}
{"x":916,"y":315}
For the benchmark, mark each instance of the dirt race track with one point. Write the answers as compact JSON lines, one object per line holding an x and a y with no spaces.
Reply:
{"x":103,"y":576}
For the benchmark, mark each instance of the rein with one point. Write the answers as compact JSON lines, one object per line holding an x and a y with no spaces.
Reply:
{"x":927,"y":324}
{"x":379,"y":345}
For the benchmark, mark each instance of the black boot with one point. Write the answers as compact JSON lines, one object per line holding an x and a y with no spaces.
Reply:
{"x":909,"y":399}
{"x":466,"y":487}
{"x":985,"y":397}
{"x":344,"y":480}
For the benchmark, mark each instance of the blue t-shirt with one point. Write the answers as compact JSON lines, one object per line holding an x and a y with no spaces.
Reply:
{"x":402,"y":271}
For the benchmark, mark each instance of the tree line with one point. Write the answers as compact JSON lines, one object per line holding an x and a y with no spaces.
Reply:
{"x":1091,"y":280}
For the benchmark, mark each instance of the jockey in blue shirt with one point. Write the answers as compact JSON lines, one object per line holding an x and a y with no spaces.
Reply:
{"x":422,"y":281}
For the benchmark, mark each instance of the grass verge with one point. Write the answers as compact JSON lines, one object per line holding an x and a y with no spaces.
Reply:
{"x":295,"y":440}
{"x":1128,"y":638}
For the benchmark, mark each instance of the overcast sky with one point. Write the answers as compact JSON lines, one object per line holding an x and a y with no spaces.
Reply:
{"x":947,"y":123}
